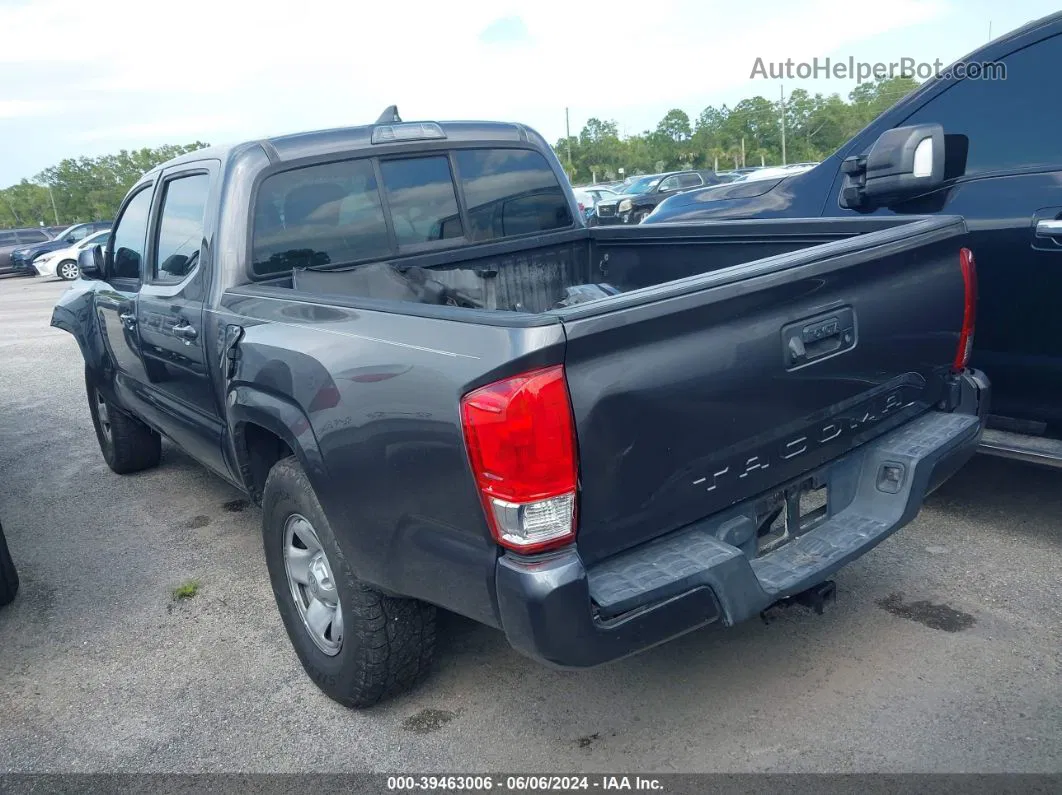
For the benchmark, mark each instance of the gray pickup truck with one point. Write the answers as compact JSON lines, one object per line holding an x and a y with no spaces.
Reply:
{"x":445,"y":391}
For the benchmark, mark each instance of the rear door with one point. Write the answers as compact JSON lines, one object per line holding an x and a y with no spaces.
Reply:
{"x":171,"y":315}
{"x":116,"y":302}
{"x":694,"y":395}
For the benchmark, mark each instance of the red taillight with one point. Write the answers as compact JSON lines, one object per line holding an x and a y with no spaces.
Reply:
{"x":521,"y":444}
{"x":969,"y":310}
{"x":582,"y":209}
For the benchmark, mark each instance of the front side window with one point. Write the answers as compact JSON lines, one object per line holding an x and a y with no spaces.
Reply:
{"x":130,"y":236}
{"x":180,"y":232}
{"x":421,"y":198}
{"x":510,"y":192}
{"x":328,"y":214}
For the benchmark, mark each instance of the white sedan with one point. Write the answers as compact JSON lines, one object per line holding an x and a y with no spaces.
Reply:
{"x":63,"y":263}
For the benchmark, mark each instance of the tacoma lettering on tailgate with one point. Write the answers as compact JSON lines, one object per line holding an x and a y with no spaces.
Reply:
{"x":845,"y":424}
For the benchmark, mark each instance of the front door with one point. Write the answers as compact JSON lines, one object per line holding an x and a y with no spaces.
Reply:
{"x":116,"y":300}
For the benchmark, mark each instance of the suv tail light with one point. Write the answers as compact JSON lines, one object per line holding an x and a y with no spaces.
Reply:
{"x":521,"y":444}
{"x":969,"y":311}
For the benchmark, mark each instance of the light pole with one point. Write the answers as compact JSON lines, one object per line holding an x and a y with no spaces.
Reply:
{"x":55,"y":212}
{"x":781,"y":105}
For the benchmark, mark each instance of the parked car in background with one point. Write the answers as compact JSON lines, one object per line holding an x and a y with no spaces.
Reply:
{"x":597,"y":194}
{"x":642,"y":196}
{"x":771,"y":172}
{"x":22,"y":258}
{"x":8,"y":573}
{"x":13,"y":239}
{"x":996,"y":160}
{"x":586,"y":201}
{"x":63,"y":263}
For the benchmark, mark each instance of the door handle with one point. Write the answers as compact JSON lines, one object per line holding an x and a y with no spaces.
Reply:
{"x":186,"y":333}
{"x":128,"y":319}
{"x":1049,"y":228}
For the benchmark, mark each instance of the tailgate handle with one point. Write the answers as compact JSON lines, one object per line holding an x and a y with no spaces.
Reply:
{"x":815,"y":338}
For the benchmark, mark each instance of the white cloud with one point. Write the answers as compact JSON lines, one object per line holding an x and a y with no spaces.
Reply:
{"x":181,"y":127}
{"x":21,"y":108}
{"x":216,"y":71}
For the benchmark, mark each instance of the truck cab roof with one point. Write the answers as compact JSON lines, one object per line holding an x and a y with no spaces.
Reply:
{"x":297,"y":146}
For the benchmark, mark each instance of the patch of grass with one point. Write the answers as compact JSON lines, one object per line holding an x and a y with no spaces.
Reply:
{"x":186,"y":590}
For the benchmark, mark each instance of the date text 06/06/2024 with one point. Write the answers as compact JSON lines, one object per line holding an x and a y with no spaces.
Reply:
{"x":525,"y":783}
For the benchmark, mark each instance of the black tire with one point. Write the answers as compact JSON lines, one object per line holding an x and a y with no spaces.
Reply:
{"x":387,"y":642}
{"x":640,"y":216}
{"x":127,"y":444}
{"x":8,"y":574}
{"x":64,"y":266}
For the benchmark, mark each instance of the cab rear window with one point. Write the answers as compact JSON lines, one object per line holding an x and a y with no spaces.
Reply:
{"x":340,"y":213}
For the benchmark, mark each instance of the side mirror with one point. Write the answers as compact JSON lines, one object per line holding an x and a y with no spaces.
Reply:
{"x":90,"y":262}
{"x":177,"y":265}
{"x":902,"y":163}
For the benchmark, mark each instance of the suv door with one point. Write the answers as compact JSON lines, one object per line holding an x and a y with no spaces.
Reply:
{"x":173,"y":339}
{"x":1008,"y":182}
{"x":116,"y":305}
{"x":678,"y":182}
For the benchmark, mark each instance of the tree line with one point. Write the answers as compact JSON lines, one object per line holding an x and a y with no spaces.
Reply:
{"x":721,"y":138}
{"x":81,"y":189}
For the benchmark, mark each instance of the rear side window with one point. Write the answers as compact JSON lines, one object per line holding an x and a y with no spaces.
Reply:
{"x":8,"y":238}
{"x":510,"y":192}
{"x":328,"y":214}
{"x":180,"y":233}
{"x":420,"y":196}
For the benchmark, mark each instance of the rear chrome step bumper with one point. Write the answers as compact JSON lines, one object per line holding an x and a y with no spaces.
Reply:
{"x":1022,"y":447}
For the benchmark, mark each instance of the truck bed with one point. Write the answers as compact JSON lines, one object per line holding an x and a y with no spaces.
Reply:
{"x":539,"y":277}
{"x":734,"y":357}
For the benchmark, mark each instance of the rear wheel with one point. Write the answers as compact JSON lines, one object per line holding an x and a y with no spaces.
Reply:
{"x":127,"y":444}
{"x":357,"y":645}
{"x":8,"y":574}
{"x":67,"y":270}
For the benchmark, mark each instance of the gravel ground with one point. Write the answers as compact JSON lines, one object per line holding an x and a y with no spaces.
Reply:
{"x":942,"y":652}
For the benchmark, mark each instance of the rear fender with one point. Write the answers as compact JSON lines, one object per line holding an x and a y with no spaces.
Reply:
{"x":280,"y":416}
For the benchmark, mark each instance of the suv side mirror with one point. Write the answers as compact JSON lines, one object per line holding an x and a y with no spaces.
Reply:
{"x":902,"y":163}
{"x":90,"y":262}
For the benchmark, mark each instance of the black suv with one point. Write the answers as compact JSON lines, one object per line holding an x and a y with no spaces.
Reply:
{"x":22,"y":258}
{"x":15,"y":239}
{"x":641,"y":196}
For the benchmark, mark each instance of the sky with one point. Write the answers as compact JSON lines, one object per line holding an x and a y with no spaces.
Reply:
{"x":91,"y":78}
